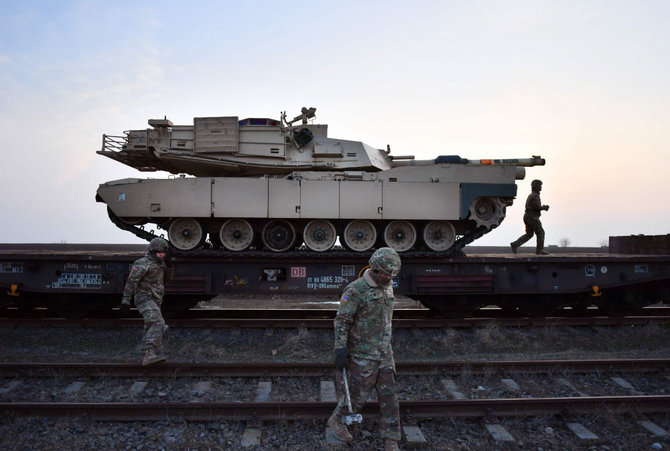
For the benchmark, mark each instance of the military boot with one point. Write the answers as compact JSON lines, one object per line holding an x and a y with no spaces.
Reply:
{"x":151,"y":358}
{"x":339,"y":429}
{"x":514,"y":247}
{"x":541,"y":252}
{"x":391,"y":445}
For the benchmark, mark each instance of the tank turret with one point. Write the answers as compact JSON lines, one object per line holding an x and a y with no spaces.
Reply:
{"x":227,"y":146}
{"x":260,"y":183}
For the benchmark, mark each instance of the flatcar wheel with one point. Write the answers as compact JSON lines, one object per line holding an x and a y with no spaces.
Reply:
{"x":359,"y":235}
{"x":186,"y":234}
{"x":70,"y":307}
{"x":400,"y":235}
{"x":626,"y":302}
{"x":278,"y":235}
{"x":539,"y":311}
{"x":439,"y":235}
{"x":236,"y":234}
{"x":319,"y":235}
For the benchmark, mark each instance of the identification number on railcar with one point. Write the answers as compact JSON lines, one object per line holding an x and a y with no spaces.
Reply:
{"x":11,"y":267}
{"x":74,"y":280}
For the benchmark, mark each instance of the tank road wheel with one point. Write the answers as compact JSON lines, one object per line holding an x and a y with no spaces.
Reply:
{"x":359,"y":235}
{"x":439,"y":235}
{"x":278,"y":235}
{"x":186,"y":234}
{"x":487,"y":211}
{"x":319,"y":235}
{"x":400,"y":235}
{"x":236,"y":234}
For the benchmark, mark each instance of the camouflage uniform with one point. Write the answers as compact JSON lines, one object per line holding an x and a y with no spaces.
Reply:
{"x":146,"y":282}
{"x":363,"y":326}
{"x":531,"y":219}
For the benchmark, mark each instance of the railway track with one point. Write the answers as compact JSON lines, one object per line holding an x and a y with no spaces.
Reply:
{"x":274,"y":411}
{"x":400,"y":314}
{"x":624,"y":387}
{"x":327,"y":323}
{"x":303,"y":369}
{"x":258,"y":398}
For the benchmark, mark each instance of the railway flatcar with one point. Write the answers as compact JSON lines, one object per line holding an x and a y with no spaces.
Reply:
{"x":80,"y":279}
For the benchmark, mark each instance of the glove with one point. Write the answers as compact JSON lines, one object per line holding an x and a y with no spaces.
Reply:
{"x":545,"y":207}
{"x":125,"y":307}
{"x":340,"y":358}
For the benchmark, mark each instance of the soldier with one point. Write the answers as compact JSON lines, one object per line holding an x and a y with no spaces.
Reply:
{"x":363,"y":347}
{"x":146,"y":282}
{"x":531,"y":218}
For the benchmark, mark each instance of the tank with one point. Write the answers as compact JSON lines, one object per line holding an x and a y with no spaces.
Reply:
{"x":260,"y":184}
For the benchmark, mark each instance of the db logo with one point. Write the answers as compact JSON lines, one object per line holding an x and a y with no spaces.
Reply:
{"x":298,"y":272}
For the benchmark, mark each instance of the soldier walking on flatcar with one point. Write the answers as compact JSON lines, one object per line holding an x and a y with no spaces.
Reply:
{"x":146,"y":284}
{"x":531,"y":219}
{"x":363,"y":347}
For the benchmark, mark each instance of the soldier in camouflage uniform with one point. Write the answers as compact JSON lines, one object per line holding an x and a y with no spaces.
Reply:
{"x":146,"y":283}
{"x":531,"y":219}
{"x":363,"y":346}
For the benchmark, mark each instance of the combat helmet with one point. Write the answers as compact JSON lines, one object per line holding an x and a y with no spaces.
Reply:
{"x":535,"y":184}
{"x":385,"y":260}
{"x":158,"y":245}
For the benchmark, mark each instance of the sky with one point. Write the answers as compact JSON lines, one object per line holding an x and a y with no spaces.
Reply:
{"x":585,"y":84}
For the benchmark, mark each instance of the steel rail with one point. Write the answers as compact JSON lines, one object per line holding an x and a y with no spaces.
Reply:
{"x":279,"y":411}
{"x":312,"y":323}
{"x":426,"y":323}
{"x":245,"y":369}
{"x":398,"y":313}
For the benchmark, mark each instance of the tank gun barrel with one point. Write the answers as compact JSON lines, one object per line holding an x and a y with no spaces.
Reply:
{"x":401,"y":162}
{"x":535,"y":160}
{"x":455,"y":159}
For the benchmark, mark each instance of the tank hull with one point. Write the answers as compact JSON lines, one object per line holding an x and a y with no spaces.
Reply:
{"x":302,"y":197}
{"x":411,"y":197}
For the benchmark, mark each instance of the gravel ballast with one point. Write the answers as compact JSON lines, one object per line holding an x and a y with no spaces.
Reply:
{"x":77,"y":344}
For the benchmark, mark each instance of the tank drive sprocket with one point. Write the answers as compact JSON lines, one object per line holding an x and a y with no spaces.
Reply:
{"x":487,"y":212}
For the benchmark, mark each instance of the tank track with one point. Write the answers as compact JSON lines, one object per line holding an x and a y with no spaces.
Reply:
{"x":454,"y":251}
{"x":138,"y":231}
